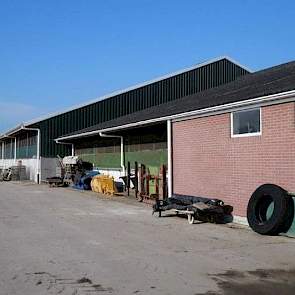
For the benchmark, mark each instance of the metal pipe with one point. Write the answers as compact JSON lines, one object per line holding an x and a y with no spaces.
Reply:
{"x":2,"y":154}
{"x":170,"y":168}
{"x":27,"y":149}
{"x":3,"y":150}
{"x":67,"y":143}
{"x":15,"y":149}
{"x":38,"y":174}
{"x":122,"y":147}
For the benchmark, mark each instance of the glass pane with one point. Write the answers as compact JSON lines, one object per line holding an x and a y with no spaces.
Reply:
{"x":246,"y":122}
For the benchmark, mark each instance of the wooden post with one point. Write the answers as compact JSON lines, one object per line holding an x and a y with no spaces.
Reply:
{"x":128,"y":178}
{"x":147,"y":183}
{"x":139,"y":179}
{"x":157,"y":184}
{"x":164,"y":182}
{"x":136,"y":179}
{"x":142,"y":180}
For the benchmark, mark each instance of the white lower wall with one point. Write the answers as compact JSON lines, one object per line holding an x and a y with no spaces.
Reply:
{"x":31,"y":166}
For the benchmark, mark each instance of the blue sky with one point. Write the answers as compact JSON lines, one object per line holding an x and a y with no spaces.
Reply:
{"x":55,"y":54}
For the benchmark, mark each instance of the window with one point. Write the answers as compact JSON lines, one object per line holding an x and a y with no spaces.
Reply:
{"x":246,"y":123}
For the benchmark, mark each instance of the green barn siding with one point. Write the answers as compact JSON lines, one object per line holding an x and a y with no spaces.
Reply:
{"x":152,"y":158}
{"x":101,"y":160}
{"x":145,"y":145}
{"x":169,"y":89}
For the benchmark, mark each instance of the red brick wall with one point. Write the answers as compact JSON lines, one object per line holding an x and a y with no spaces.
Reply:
{"x":208,"y":162}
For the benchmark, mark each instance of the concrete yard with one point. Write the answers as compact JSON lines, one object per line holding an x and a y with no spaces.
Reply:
{"x":62,"y":241}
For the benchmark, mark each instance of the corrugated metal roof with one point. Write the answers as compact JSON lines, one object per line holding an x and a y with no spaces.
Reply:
{"x":270,"y":81}
{"x":170,"y":87}
{"x":34,"y":121}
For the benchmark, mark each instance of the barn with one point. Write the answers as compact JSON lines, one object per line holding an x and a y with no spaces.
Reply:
{"x":35,"y":143}
{"x":226,"y":141}
{"x":221,"y":129}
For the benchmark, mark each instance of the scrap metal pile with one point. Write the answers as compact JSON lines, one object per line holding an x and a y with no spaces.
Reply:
{"x":203,"y":209}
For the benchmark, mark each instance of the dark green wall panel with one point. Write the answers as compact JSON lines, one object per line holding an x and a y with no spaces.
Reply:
{"x":147,"y":145}
{"x":172,"y":88}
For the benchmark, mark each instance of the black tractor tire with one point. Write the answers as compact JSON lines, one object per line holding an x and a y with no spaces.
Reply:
{"x":289,"y":216}
{"x":258,"y":205}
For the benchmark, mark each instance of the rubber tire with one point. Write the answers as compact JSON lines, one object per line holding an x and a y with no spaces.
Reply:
{"x":257,"y":208}
{"x":289,"y":216}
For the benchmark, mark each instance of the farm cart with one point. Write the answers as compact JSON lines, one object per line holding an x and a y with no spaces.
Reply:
{"x":195,"y":208}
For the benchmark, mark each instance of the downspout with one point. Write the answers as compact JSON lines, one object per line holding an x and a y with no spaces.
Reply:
{"x":15,"y":150}
{"x":2,"y":154}
{"x":67,"y":143}
{"x":3,"y":150}
{"x":170,"y":168}
{"x":38,"y":150}
{"x":122,"y":147}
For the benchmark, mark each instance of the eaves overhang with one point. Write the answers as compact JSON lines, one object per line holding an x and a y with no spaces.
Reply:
{"x":13,"y":131}
{"x":283,"y":97}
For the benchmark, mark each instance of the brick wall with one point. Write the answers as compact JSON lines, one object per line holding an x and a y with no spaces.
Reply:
{"x":208,"y":162}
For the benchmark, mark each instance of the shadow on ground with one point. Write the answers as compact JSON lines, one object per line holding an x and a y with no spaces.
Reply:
{"x":262,"y":282}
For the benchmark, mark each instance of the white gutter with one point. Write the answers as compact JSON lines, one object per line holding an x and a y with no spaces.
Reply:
{"x":122,"y":147}
{"x":67,"y":143}
{"x":38,"y":174}
{"x":170,"y":162}
{"x":288,"y":96}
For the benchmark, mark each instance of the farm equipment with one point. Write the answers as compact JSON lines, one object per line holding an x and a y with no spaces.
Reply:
{"x":72,"y":170}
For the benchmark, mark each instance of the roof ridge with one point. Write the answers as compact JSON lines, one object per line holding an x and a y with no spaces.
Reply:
{"x":136,"y":86}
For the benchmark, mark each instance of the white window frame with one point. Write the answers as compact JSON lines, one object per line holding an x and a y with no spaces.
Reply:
{"x":245,"y":134}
